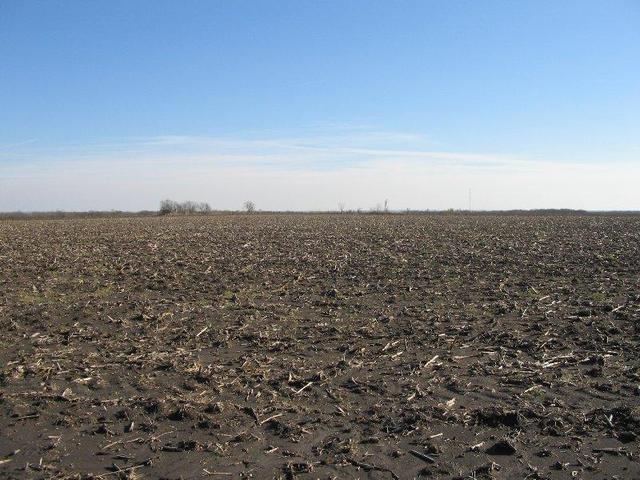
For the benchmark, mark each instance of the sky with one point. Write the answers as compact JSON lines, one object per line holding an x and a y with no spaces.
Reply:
{"x":302,"y":105}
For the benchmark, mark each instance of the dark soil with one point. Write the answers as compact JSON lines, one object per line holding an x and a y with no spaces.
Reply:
{"x":301,"y":346}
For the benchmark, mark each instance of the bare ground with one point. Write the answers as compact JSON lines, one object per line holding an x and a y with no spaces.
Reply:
{"x":299,"y":346}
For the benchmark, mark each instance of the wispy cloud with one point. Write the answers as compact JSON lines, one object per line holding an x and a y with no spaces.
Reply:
{"x":312,"y":169}
{"x":13,"y":146}
{"x":339,"y":150}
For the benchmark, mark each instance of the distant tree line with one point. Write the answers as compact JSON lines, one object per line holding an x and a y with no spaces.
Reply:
{"x":249,"y":207}
{"x":57,"y":214}
{"x":183,"y":208}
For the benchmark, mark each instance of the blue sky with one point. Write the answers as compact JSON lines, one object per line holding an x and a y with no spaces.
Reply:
{"x":303,"y":104}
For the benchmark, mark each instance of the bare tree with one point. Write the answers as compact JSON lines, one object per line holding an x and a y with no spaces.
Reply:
{"x":188,"y":207}
{"x":168,"y":206}
{"x":249,"y":206}
{"x":185,"y":208}
{"x":341,"y":207}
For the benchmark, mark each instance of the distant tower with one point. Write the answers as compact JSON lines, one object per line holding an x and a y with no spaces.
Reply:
{"x":386,"y":205}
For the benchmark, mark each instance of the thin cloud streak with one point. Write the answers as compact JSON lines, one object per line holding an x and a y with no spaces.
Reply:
{"x":311,"y":172}
{"x":344,"y":150}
